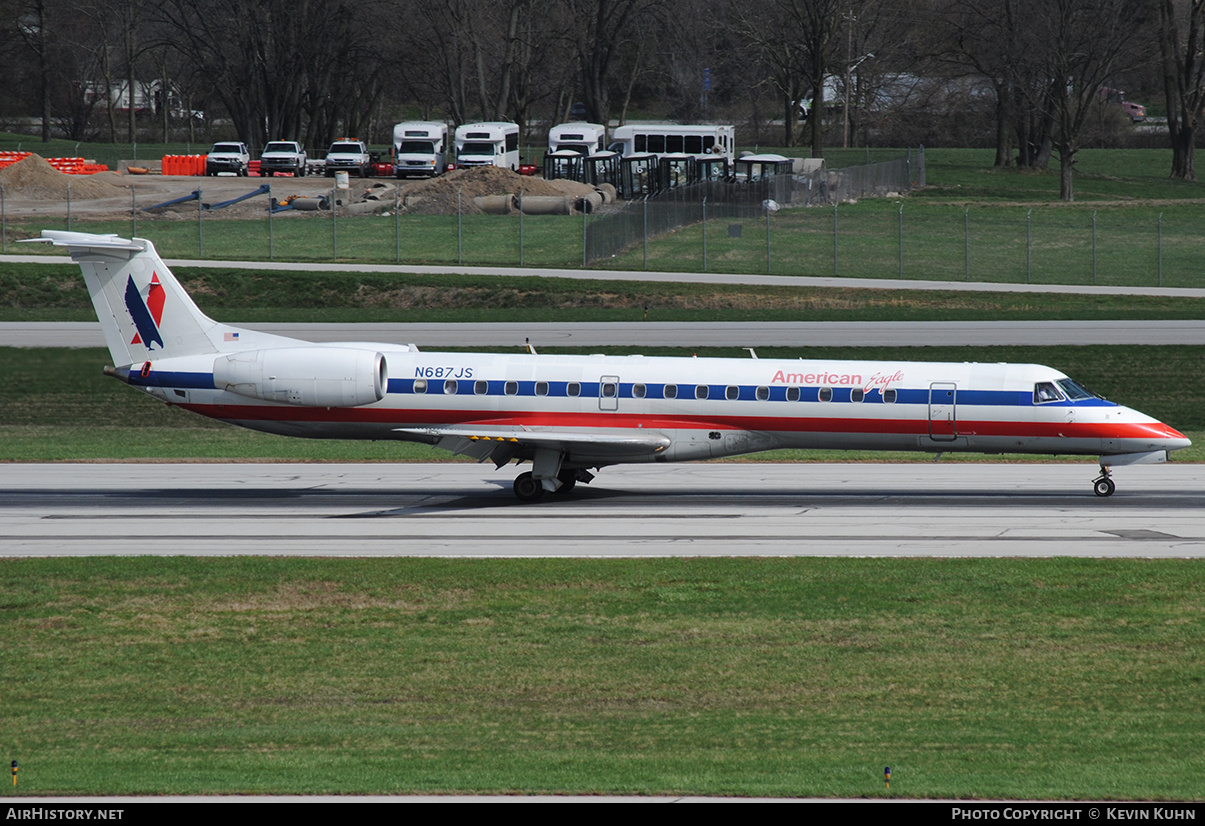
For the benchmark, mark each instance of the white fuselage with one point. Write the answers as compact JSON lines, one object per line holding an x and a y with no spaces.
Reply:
{"x":705,"y":407}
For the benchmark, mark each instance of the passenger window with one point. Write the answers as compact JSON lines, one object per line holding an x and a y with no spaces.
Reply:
{"x":450,"y":387}
{"x":608,"y":390}
{"x":573,"y":389}
{"x":420,"y":385}
{"x":481,"y":388}
{"x":638,"y":391}
{"x":671,"y":391}
{"x":888,"y":397}
{"x":857,"y":394}
{"x":1045,"y":392}
{"x":732,"y":393}
{"x":700,"y":391}
{"x":826,"y":394}
{"x":763,"y":393}
{"x":541,"y":388}
{"x":512,"y":387}
{"x":792,"y":394}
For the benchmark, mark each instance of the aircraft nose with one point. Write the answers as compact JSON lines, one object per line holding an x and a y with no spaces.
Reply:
{"x":1174,"y":439}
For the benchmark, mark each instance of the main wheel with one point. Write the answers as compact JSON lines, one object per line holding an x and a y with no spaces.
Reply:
{"x":528,"y":488}
{"x":1104,"y":487}
{"x":568,"y":479}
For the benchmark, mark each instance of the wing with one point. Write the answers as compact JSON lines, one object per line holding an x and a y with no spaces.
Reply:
{"x":502,"y":443}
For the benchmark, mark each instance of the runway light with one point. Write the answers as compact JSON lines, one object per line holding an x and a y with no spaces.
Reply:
{"x":887,"y":776}
{"x":14,"y":774}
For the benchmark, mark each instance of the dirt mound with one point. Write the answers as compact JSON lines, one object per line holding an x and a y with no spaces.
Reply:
{"x":35,"y":179}
{"x":438,"y":195}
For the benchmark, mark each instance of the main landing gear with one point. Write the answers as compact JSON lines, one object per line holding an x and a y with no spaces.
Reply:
{"x":1103,"y":485}
{"x":530,"y":489}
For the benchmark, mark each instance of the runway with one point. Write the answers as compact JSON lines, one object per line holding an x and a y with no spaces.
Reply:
{"x":465,"y":510}
{"x":800,"y":334}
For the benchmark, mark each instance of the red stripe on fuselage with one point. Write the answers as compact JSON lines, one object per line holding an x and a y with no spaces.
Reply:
{"x":780,"y":424}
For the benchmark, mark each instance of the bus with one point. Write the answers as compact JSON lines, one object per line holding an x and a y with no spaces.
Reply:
{"x":582,"y":138}
{"x":700,"y":140}
{"x":419,"y":148}
{"x":488,"y":144}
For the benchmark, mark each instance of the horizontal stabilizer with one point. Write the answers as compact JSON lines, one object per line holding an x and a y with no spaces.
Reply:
{"x":86,"y":241}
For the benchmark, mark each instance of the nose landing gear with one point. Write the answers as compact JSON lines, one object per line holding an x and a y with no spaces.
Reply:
{"x":1103,"y":485}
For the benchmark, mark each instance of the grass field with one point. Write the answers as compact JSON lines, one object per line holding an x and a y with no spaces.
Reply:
{"x":38,"y":292}
{"x":1130,"y":225}
{"x":1062,"y":679}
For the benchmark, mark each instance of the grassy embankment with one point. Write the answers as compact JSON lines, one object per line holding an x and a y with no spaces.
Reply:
{"x":1013,"y":679}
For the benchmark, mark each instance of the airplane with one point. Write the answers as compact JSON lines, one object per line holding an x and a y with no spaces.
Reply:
{"x":567,"y":415}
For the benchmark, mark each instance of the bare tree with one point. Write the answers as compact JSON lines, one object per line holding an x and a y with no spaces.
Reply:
{"x":1182,"y":48}
{"x":601,"y":31}
{"x":301,"y":67}
{"x":986,"y":38}
{"x":1083,"y":41}
{"x":796,"y":39}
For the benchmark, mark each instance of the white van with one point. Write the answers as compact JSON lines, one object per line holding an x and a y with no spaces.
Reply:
{"x":419,"y":148}
{"x":488,"y":144}
{"x":582,"y":138}
{"x":700,"y":140}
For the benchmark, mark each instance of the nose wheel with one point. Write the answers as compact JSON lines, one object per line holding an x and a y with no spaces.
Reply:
{"x":1103,"y":484}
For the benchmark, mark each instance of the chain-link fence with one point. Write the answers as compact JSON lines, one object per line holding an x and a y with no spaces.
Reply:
{"x":641,"y":220}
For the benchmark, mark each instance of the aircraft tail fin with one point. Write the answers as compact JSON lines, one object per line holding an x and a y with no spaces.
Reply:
{"x":144,"y":311}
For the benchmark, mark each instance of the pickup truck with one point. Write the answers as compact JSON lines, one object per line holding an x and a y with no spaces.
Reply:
{"x":228,"y":156}
{"x":347,"y":155}
{"x":282,"y":156}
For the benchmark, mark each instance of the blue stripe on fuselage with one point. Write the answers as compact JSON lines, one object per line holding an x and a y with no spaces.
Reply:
{"x":718,"y":392}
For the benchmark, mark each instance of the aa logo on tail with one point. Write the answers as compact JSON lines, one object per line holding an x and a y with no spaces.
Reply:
{"x":146,"y":313}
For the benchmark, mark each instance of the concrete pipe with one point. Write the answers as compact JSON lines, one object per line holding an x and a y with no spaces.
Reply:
{"x":380,"y":192}
{"x":306,"y":204}
{"x":365,"y":208}
{"x":495,"y":204}
{"x":610,"y":195}
{"x":588,"y":203}
{"x":547,"y":205}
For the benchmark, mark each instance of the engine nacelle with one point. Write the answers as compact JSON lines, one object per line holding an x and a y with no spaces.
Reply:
{"x":307,"y":376}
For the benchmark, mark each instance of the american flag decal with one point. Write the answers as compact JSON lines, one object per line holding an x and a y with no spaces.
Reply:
{"x":229,"y":336}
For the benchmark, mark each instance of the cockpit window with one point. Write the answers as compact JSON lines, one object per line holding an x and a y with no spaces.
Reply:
{"x":1075,"y":391}
{"x":1045,"y":392}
